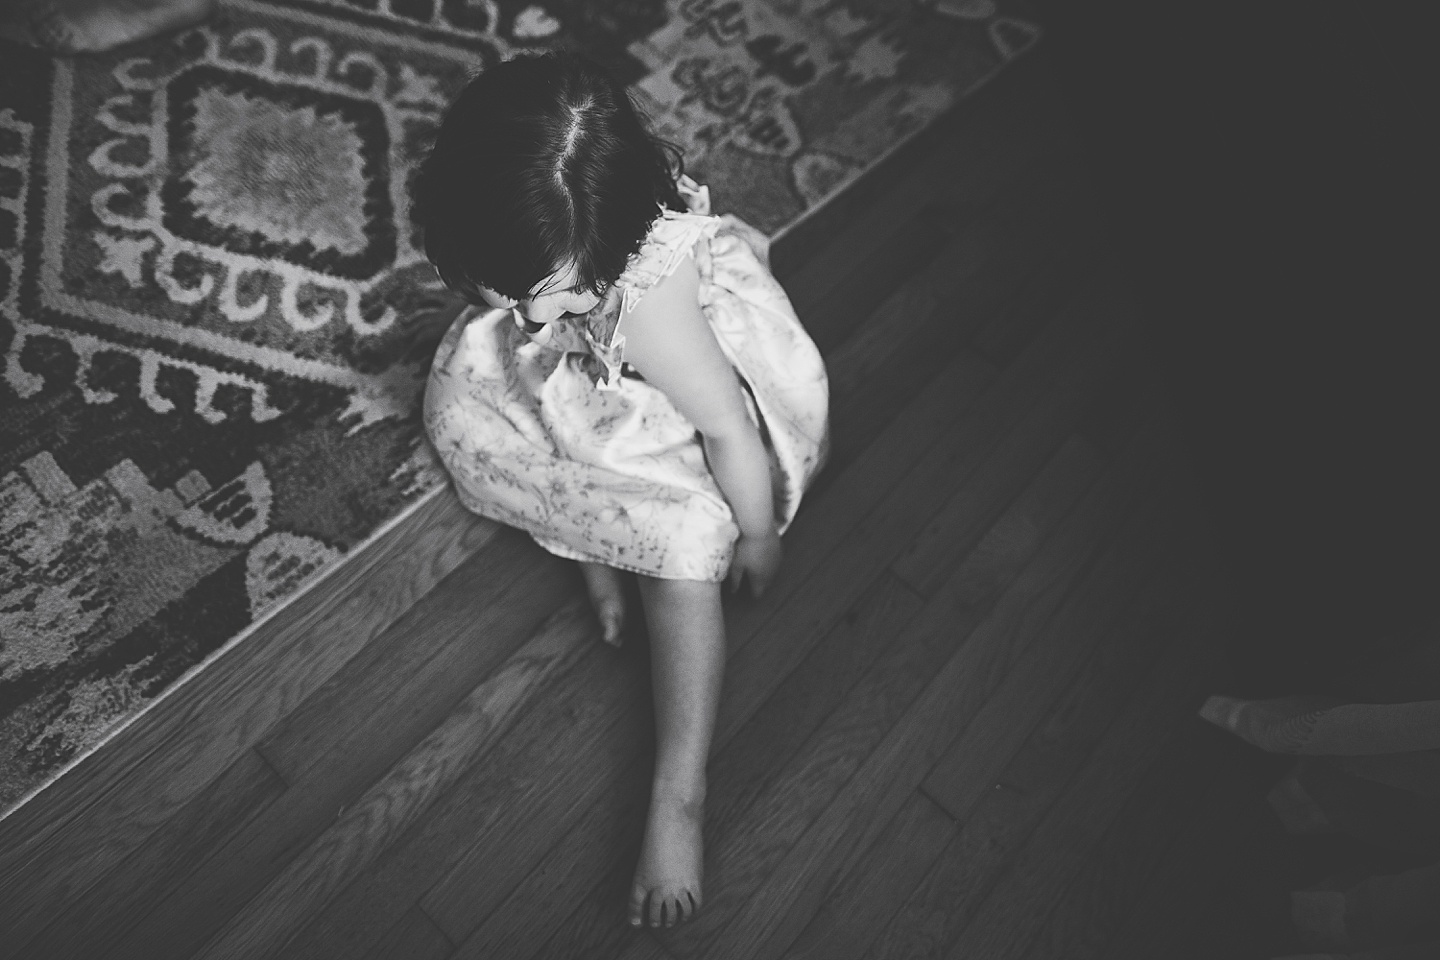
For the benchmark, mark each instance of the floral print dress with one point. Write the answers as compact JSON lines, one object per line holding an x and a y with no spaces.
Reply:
{"x":558,"y":436}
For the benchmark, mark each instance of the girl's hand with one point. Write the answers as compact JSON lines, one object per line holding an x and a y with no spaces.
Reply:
{"x":757,"y":556}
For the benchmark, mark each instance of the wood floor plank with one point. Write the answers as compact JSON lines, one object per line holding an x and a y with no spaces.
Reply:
{"x":977,"y":275}
{"x":987,"y":257}
{"x":1055,"y":851}
{"x":601,"y":845}
{"x":865,"y":899}
{"x":237,"y":871}
{"x":420,"y":667}
{"x":956,"y":781}
{"x":926,"y":563}
{"x":891,"y":260}
{"x":779,"y":907}
{"x":1119,"y":868}
{"x":840,"y":499}
{"x":113,"y":800}
{"x":91,"y":921}
{"x":962,"y":775}
{"x":795,"y":840}
{"x":480,"y":882}
{"x":1003,"y":818}
{"x":742,"y":764}
{"x":828,"y":675}
{"x":397,"y":800}
{"x":513,"y":803}
{"x":1034,"y":400}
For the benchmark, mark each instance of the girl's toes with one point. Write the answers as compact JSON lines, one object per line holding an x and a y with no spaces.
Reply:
{"x":607,"y":599}
{"x":612,"y":619}
{"x":637,"y":905}
{"x":693,"y":906}
{"x":656,"y":913}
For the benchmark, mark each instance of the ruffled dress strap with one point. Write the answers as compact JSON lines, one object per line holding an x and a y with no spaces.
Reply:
{"x":673,"y":236}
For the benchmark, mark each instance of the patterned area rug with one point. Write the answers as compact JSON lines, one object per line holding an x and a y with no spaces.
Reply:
{"x":212,"y":306}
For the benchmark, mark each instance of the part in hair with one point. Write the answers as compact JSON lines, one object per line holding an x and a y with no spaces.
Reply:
{"x":541,"y":163}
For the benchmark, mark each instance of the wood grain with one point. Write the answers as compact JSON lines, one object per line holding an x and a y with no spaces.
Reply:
{"x":1040,"y":676}
{"x":799,"y":704}
{"x":882,"y":738}
{"x":406,"y":791}
{"x":86,"y":927}
{"x":472,"y":641}
{"x":889,"y":260}
{"x":743,"y":767}
{"x":854,"y":559}
{"x":974,"y":280}
{"x":510,"y":805}
{"x":577,"y":772}
{"x":958,"y":777}
{"x":952,"y":531}
{"x":837,"y":505}
{"x":865,"y":899}
{"x":423,"y":664}
{"x":603,"y":842}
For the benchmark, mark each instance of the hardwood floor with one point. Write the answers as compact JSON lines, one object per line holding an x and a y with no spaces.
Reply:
{"x":961,"y":724}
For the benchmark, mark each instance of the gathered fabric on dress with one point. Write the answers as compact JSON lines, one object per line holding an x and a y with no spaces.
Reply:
{"x":556,"y":435}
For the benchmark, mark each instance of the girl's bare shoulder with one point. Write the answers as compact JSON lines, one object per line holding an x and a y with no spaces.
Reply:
{"x":669,"y":341}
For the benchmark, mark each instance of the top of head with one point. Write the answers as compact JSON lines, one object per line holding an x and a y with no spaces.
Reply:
{"x":540,"y":163}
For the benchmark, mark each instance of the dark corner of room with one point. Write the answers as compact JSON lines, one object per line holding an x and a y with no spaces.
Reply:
{"x":1267,"y":172}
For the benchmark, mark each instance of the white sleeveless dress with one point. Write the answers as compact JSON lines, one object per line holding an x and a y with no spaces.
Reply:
{"x":557,"y":436}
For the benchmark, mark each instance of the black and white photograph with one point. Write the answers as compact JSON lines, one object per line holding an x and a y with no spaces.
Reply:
{"x":719,"y":480}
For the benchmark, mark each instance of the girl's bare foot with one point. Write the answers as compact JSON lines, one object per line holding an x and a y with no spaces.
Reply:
{"x":607,"y":599}
{"x":95,"y":26}
{"x":666,"y":890}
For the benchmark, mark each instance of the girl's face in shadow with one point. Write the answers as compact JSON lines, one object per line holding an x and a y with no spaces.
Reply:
{"x":552,"y":298}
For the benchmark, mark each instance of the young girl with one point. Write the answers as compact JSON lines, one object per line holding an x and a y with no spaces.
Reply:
{"x":640,"y":398}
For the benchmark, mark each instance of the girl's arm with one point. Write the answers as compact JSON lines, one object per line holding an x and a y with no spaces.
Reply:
{"x":668,"y":340}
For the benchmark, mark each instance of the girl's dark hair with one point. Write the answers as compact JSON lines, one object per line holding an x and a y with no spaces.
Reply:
{"x":541,"y":162}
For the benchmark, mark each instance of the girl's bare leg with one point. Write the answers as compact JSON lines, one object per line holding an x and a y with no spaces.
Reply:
{"x":607,"y":599}
{"x":687,"y":652}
